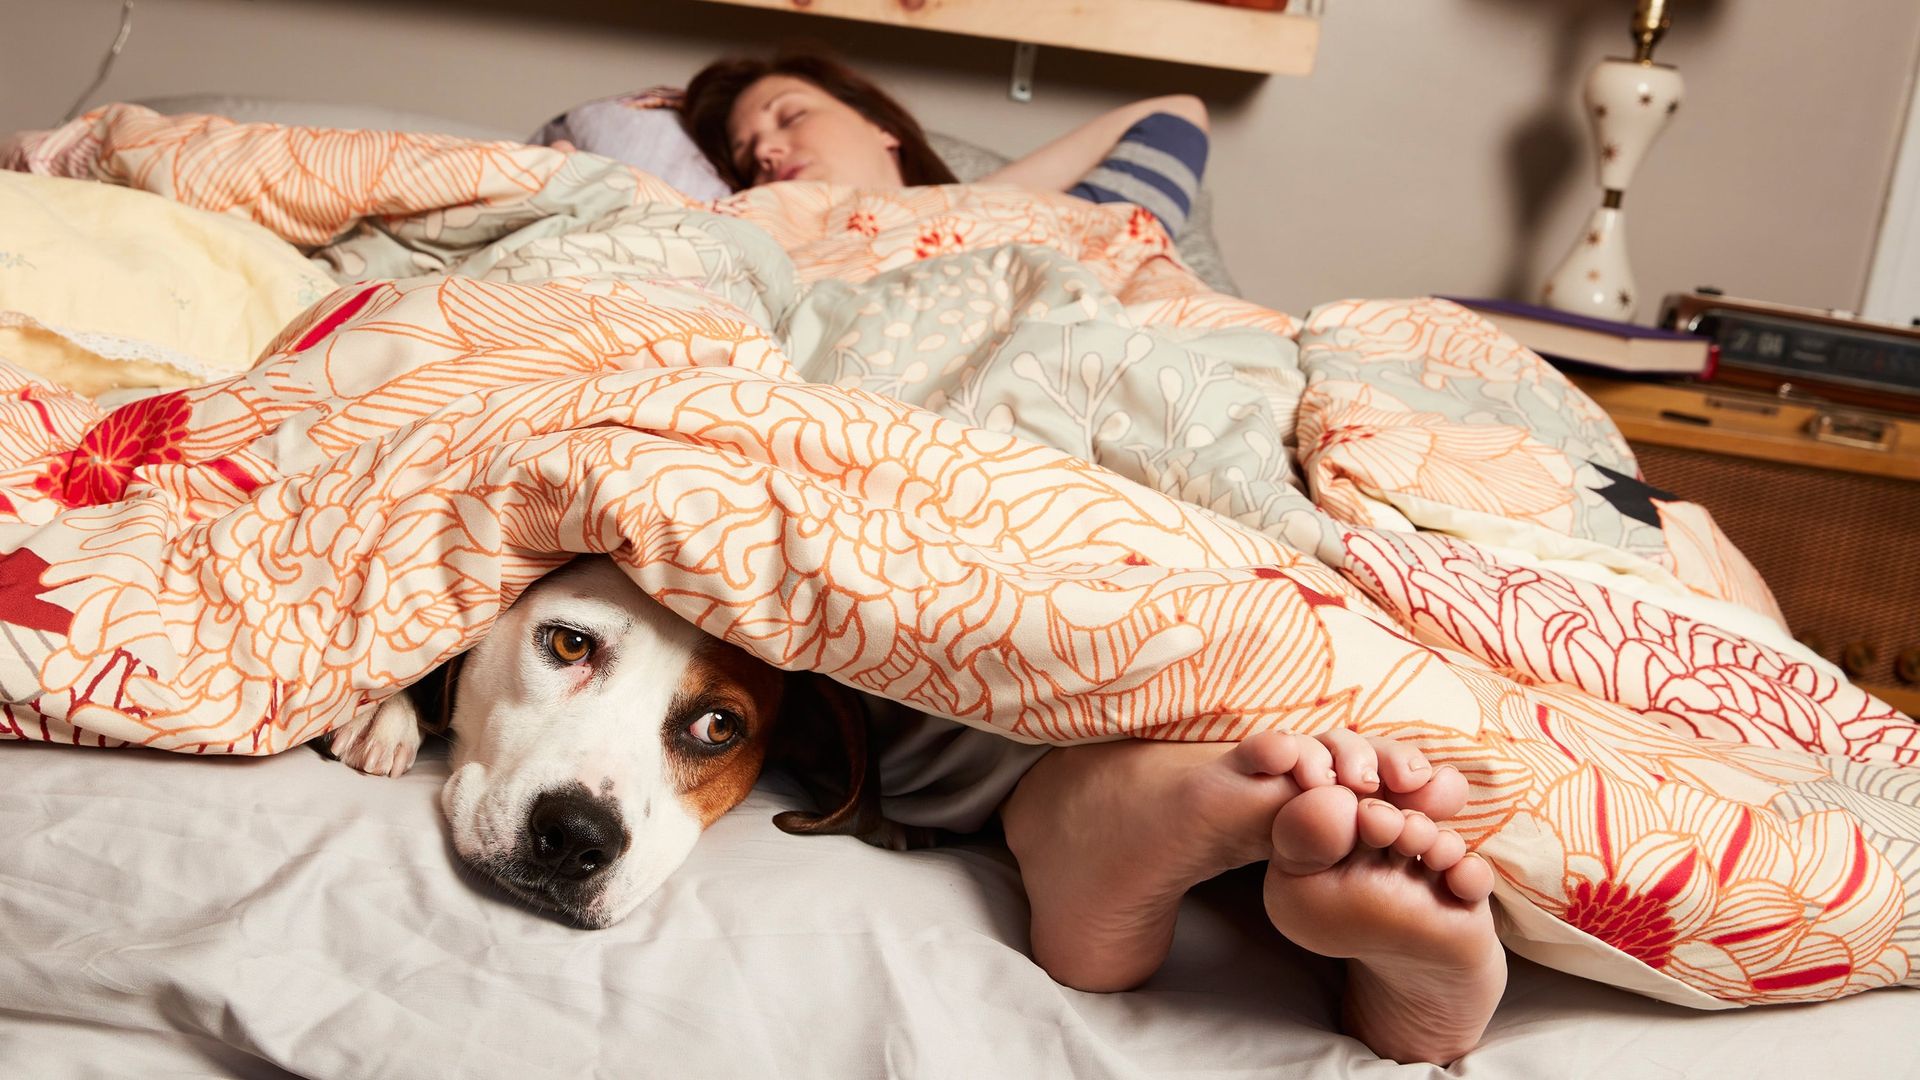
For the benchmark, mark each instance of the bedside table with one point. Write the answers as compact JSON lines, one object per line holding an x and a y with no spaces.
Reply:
{"x":1823,"y":499}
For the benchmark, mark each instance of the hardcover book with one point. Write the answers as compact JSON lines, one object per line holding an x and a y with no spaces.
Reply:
{"x":1600,"y":343}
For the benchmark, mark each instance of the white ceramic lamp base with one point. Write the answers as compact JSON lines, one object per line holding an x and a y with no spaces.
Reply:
{"x":1594,"y":278}
{"x":1628,"y":103}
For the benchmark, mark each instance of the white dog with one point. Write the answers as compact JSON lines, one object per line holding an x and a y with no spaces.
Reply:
{"x":596,"y":734}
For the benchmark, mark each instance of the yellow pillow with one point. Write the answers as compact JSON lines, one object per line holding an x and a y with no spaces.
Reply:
{"x":104,"y":287}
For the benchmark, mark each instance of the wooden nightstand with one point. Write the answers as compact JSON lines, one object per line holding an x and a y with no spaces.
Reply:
{"x":1824,"y":499}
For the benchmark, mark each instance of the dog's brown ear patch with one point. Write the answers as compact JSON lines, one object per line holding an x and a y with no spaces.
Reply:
{"x":822,"y":739}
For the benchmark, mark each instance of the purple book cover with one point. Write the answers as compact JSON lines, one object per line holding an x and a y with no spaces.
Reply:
{"x":1565,"y":318}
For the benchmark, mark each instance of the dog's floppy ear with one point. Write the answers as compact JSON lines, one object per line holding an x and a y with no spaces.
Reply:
{"x":821,"y":738}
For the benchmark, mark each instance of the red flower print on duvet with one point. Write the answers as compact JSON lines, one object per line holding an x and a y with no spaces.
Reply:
{"x":1637,"y":924}
{"x":940,"y":236}
{"x":139,"y":433}
{"x":1144,"y":228}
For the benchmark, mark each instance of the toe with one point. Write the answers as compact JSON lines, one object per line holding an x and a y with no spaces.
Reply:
{"x":1470,"y":879}
{"x":1315,"y":767}
{"x":1440,"y":798}
{"x":343,"y":740}
{"x":400,"y":759}
{"x":1355,"y":764}
{"x":1315,"y":829}
{"x":1445,"y":852}
{"x":1416,"y":836}
{"x":1380,"y":823}
{"x":1402,"y":766}
{"x":1266,"y":753}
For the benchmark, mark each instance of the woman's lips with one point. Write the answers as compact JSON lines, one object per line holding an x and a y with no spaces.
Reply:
{"x":791,"y":171}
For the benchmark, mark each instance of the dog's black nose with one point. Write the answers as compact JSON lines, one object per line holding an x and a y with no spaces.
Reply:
{"x":574,"y":834}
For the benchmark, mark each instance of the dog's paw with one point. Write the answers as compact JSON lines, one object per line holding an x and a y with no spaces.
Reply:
{"x":383,"y":744}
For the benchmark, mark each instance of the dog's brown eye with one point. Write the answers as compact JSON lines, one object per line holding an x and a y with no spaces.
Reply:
{"x":716,"y":727}
{"x":568,"y":646}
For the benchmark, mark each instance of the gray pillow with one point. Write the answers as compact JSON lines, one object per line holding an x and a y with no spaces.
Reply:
{"x":1196,"y":243}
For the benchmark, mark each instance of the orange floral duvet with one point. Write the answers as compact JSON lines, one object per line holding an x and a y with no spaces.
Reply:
{"x":992,"y":454}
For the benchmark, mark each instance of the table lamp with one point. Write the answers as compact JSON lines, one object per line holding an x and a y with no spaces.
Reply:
{"x":1628,"y":103}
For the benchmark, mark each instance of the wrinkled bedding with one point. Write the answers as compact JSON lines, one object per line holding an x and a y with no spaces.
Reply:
{"x":994,"y":455}
{"x":273,"y":917}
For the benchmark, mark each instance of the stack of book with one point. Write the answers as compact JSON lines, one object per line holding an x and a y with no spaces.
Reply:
{"x":1582,"y":341}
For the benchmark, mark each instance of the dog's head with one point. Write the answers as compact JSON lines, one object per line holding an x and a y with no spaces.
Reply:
{"x":596,"y":734}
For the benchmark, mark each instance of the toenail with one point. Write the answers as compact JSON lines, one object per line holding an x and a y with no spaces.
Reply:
{"x":1417,"y":766}
{"x":1376,"y":802}
{"x":1369,"y":777}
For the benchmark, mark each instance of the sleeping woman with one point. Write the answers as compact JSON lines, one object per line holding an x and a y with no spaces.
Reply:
{"x":789,"y":120}
{"x":1110,"y":836}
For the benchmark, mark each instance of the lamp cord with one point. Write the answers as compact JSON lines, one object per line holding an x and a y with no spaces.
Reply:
{"x":106,"y":62}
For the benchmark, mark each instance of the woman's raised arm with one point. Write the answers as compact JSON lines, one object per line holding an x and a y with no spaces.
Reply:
{"x":1061,"y":163}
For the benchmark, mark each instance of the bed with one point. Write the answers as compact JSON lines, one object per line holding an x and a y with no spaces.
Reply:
{"x":204,"y":914}
{"x":335,"y":937}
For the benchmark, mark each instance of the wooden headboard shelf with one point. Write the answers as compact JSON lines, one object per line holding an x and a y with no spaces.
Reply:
{"x":1185,"y":31}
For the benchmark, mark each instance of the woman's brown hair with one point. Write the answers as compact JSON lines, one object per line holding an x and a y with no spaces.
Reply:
{"x":711,"y":94}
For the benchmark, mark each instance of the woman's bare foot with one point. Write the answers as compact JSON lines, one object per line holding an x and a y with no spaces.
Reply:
{"x":1110,"y":836}
{"x":1403,"y":903}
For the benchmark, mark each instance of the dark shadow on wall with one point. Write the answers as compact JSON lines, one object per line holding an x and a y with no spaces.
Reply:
{"x":1549,"y":152}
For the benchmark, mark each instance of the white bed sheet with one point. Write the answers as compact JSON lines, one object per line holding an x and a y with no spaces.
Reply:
{"x":173,"y":916}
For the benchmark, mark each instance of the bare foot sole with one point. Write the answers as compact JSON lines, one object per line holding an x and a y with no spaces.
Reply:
{"x":1401,"y":901}
{"x":1110,"y":836}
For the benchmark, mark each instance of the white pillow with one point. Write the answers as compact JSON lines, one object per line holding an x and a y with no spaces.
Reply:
{"x":643,"y":130}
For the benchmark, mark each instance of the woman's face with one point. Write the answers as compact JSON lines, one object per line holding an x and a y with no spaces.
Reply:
{"x":784,"y":128}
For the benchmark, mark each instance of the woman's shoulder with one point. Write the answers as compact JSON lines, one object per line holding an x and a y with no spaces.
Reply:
{"x":1185,"y":106}
{"x":1156,"y":164}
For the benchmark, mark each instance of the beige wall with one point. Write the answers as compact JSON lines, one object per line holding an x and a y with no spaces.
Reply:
{"x":1437,"y":148}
